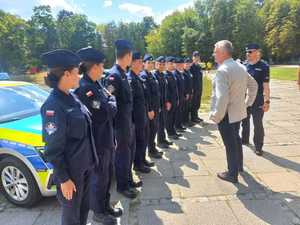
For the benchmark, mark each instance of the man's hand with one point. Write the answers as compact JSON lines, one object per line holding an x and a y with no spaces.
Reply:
{"x":151,"y":115}
{"x":187,"y":97}
{"x":266,"y":107}
{"x":67,"y":189}
{"x":168,"y":106}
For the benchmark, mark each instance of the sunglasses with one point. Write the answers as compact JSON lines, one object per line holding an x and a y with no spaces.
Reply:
{"x":250,"y":51}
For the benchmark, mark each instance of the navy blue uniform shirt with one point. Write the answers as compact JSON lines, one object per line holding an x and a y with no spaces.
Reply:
{"x":163,"y":87}
{"x":261,"y":73}
{"x":172,"y":91}
{"x":139,"y":102}
{"x":117,"y":81}
{"x":197,"y":76}
{"x":67,"y":133}
{"x":153,"y":89}
{"x":103,"y":108}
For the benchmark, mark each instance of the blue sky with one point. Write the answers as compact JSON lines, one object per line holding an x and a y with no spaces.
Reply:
{"x":101,"y":11}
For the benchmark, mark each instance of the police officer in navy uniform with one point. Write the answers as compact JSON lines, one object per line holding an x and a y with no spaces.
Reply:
{"x":140,"y":116}
{"x":162,"y":141}
{"x":260,"y":71}
{"x":68,"y":136}
{"x":197,"y":87}
{"x":153,"y":105}
{"x":124,"y":127}
{"x":172,"y":98}
{"x":178,"y":73}
{"x":188,"y":91}
{"x":103,"y":107}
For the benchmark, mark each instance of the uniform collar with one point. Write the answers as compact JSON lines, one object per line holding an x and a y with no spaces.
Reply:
{"x":87,"y":78}
{"x":62,"y":95}
{"x":119,"y":68}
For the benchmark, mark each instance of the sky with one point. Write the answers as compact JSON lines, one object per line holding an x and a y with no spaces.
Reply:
{"x":101,"y":11}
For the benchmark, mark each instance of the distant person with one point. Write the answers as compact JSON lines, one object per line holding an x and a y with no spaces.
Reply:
{"x":228,"y":105}
{"x":196,"y":71}
{"x":260,"y":71}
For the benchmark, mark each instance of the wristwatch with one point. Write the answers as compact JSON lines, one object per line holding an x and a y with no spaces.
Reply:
{"x":267,"y":102}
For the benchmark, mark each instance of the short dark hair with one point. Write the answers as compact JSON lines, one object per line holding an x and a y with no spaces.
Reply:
{"x":121,"y":53}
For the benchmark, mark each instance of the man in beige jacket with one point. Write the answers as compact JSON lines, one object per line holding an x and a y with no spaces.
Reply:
{"x":228,"y":105}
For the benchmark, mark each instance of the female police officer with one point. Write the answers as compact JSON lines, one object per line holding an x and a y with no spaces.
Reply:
{"x":103,"y":107}
{"x":68,"y":136}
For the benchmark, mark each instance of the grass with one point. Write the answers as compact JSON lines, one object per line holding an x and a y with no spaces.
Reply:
{"x":284,"y":73}
{"x":206,"y":94}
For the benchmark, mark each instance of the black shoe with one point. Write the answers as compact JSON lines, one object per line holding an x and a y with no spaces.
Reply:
{"x":142,"y":169}
{"x":163,"y":145}
{"x":200,"y":120}
{"x":104,"y":219}
{"x":115,"y":212}
{"x":189,"y":124}
{"x":148,"y":163}
{"x":180,"y":129}
{"x":259,"y":152}
{"x":245,"y":142}
{"x":129,"y":193}
{"x":178,"y":135}
{"x":173,"y":136}
{"x":155,"y":154}
{"x":225,"y":176}
{"x":136,"y":184}
{"x":168,"y":142}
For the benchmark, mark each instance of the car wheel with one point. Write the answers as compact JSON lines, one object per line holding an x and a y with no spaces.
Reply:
{"x":17,"y":183}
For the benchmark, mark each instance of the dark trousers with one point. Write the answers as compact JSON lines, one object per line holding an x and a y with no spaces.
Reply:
{"x":124,"y":157}
{"x":233,"y":145}
{"x":161,"y":134}
{"x":259,"y":133}
{"x":187,"y":111}
{"x":179,"y":114}
{"x":75,"y":211}
{"x":141,"y":144}
{"x":196,"y":103}
{"x":153,"y":128}
{"x":170,"y":121}
{"x":101,"y":181}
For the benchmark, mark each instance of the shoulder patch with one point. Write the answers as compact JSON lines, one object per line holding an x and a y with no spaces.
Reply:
{"x":50,"y":128}
{"x":50,"y":113}
{"x":111,"y":78}
{"x":89,"y":93}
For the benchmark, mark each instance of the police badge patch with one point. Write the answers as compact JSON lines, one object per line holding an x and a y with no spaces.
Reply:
{"x":96,"y":104}
{"x":50,"y":128}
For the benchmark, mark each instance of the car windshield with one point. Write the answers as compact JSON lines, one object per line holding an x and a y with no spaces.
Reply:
{"x":18,"y":102}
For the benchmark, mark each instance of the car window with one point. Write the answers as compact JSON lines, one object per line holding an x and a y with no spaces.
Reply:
{"x":18,"y":102}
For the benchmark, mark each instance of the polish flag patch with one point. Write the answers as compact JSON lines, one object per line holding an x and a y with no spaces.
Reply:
{"x":50,"y":113}
{"x":89,"y":93}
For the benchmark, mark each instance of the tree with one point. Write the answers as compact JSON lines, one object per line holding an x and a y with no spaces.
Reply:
{"x":13,"y":45}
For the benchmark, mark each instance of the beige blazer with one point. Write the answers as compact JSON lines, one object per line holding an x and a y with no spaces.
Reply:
{"x":230,"y":86}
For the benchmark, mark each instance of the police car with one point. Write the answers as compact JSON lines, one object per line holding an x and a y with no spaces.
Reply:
{"x":25,"y":176}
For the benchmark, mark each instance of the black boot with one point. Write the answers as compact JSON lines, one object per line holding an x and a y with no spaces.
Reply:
{"x":115,"y":212}
{"x":104,"y":219}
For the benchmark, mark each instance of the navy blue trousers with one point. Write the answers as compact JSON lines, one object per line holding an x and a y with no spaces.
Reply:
{"x":233,"y":145}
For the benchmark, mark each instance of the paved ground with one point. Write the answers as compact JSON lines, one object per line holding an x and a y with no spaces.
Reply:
{"x":184,"y":189}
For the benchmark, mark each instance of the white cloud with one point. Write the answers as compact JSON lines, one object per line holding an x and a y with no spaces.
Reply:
{"x":138,"y":10}
{"x":61,"y":4}
{"x":182,"y":7}
{"x":107,"y":3}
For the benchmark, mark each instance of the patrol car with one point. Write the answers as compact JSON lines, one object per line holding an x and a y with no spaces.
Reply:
{"x":25,"y":176}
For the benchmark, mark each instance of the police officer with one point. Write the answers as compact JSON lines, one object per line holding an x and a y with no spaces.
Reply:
{"x":153,"y":104}
{"x":124,"y":127}
{"x":103,"y":107}
{"x":68,"y":136}
{"x":172,"y":98}
{"x":260,"y":71}
{"x":188,"y":91}
{"x":162,"y":141}
{"x":178,"y":73}
{"x":140,"y":116}
{"x":197,"y":87}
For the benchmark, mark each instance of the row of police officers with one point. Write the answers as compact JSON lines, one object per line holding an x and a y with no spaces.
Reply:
{"x":92,"y":125}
